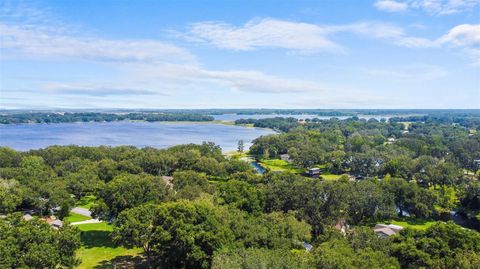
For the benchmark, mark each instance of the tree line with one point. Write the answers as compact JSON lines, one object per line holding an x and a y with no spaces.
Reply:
{"x":16,"y":118}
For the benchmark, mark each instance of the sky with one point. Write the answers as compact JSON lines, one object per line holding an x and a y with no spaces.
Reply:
{"x":326,"y":54}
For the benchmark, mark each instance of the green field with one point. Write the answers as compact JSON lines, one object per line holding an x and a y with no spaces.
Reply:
{"x":237,"y":155}
{"x":327,"y":176}
{"x":414,"y":224}
{"x":98,"y":250}
{"x":74,"y":217}
{"x":281,"y":166}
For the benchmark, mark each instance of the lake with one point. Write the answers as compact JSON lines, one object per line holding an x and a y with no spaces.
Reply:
{"x":140,"y":134}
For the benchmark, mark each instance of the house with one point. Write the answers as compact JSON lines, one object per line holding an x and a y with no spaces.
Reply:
{"x":386,"y":230}
{"x":54,"y":222}
{"x":313,"y":172}
{"x":307,"y":246}
{"x":27,"y":217}
{"x":391,"y":140}
{"x":341,"y":226}
{"x":285,"y":157}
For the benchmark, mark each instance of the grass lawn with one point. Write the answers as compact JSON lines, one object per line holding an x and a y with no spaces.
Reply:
{"x":414,"y":224}
{"x":406,"y":124}
{"x":98,"y":250}
{"x":237,"y":155}
{"x":74,"y":217}
{"x":86,"y":202}
{"x":327,"y":176}
{"x":281,"y":165}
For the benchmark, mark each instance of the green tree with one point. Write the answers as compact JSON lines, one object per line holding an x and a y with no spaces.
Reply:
{"x":262,"y":258}
{"x":187,"y":234}
{"x":11,"y":195}
{"x":135,"y":228}
{"x":190,"y":184}
{"x":338,"y":253}
{"x":437,"y":247}
{"x":35,"y":244}
{"x":241,"y":195}
{"x":367,"y":202}
{"x":127,"y":191}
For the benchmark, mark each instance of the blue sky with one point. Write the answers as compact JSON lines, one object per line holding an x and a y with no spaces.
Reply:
{"x":240,"y":54}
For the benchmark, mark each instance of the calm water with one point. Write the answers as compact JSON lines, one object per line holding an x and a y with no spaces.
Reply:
{"x":141,"y":134}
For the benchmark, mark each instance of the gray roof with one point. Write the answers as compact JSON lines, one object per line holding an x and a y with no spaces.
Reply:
{"x":57,"y":223}
{"x":387,"y":229}
{"x":384,"y":231}
{"x":307,"y":246}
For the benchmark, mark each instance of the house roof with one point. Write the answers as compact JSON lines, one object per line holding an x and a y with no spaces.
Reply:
{"x":307,"y":246}
{"x":395,"y":227}
{"x":57,"y":223}
{"x":385,"y":231}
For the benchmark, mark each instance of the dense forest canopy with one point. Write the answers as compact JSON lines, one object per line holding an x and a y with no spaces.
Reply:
{"x":190,"y":206}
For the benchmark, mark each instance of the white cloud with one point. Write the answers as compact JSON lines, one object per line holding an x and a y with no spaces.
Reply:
{"x":314,"y":38}
{"x":375,"y":30}
{"x":39,"y":41}
{"x":234,"y":80}
{"x":391,"y":6}
{"x":464,"y":35}
{"x":271,"y":33}
{"x":466,"y":38}
{"x":385,"y":32}
{"x":445,"y":7}
{"x":297,"y":36}
{"x":434,"y":7}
